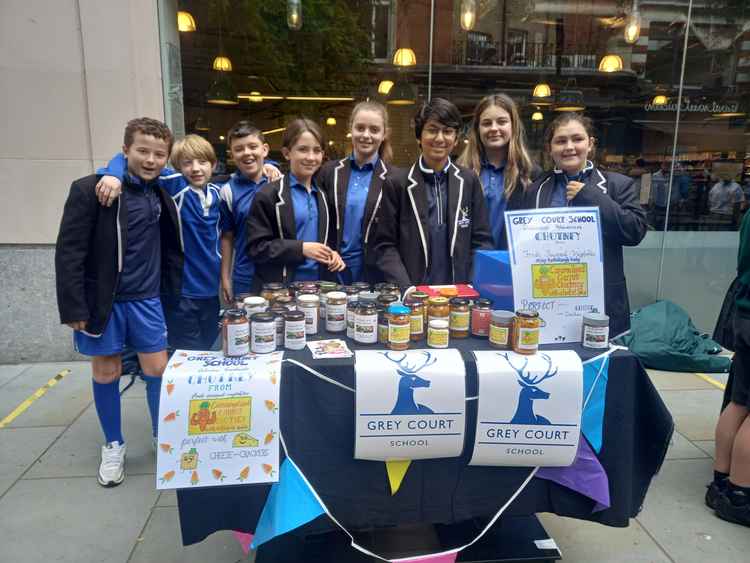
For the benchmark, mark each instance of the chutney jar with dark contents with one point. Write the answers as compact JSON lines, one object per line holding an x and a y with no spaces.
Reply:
{"x":459,"y":317}
{"x":294,"y":330}
{"x":263,"y":333}
{"x":235,"y":333}
{"x":481,"y":314}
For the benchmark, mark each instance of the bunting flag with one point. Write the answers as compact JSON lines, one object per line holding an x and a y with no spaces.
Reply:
{"x":244,"y":539}
{"x":396,"y":472}
{"x":586,"y":476}
{"x":290,"y":504}
{"x":594,"y":396}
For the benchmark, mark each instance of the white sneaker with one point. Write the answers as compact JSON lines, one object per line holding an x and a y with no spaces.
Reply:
{"x":112,"y":467}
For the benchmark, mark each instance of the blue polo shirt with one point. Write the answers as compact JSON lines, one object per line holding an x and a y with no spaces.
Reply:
{"x":559,"y":195}
{"x":493,"y":182}
{"x":237,"y":196}
{"x":354,"y":213}
{"x":305,"y":206}
{"x":436,"y":184}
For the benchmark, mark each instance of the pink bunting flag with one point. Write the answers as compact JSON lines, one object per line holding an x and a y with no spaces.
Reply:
{"x":244,"y":539}
{"x":449,"y":557}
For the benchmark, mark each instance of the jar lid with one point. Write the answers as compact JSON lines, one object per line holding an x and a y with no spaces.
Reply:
{"x":273,"y":286}
{"x":284,"y":299}
{"x":366,"y":296}
{"x":368,"y":306}
{"x":350,"y":289}
{"x":439,"y":324}
{"x":263,"y":318}
{"x":335,"y":295}
{"x":448,"y":291}
{"x":503,"y":316}
{"x":308,"y":298}
{"x":280,"y":309}
{"x":596,"y":319}
{"x":234,"y":314}
{"x":419,"y":295}
{"x":387,"y":298}
{"x":255,"y":300}
{"x":399,"y":310}
{"x":527,"y":313}
{"x":361,"y":286}
{"x":482,"y":302}
{"x":242,"y":296}
{"x":327,"y":286}
{"x":438,"y":301}
{"x":459,"y":301}
{"x":352,"y":304}
{"x":294,"y":316}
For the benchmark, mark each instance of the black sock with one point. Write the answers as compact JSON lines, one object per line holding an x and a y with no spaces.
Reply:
{"x":739,"y":496}
{"x":721,"y":479}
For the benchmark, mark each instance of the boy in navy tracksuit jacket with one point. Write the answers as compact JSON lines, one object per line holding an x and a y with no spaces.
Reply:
{"x":111,"y":264}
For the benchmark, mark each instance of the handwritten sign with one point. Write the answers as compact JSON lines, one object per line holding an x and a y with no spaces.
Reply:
{"x":218,"y":420}
{"x":557,"y":269}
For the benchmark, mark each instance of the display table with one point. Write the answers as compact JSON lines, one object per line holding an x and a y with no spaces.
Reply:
{"x":317,"y":422}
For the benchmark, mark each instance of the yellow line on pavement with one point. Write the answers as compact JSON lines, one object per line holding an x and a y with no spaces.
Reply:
{"x":711,"y":380}
{"x":33,"y":397}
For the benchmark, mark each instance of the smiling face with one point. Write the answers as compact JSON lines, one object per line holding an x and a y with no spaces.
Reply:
{"x":146,"y":155}
{"x":249,"y":153}
{"x":305,"y":156}
{"x":437,"y":142}
{"x":196,"y":170}
{"x":570,"y":147}
{"x":495,"y":128}
{"x":368,"y":133}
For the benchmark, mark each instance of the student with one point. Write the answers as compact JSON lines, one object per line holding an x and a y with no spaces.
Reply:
{"x":729,"y":493}
{"x":110,"y":263}
{"x":575,"y":180}
{"x":192,"y":316}
{"x":353,"y":186}
{"x":497,"y":153}
{"x":433,"y":216}
{"x":289,"y":229}
{"x":248,"y":149}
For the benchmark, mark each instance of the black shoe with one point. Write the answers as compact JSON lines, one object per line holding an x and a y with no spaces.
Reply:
{"x":713,"y":493}
{"x":726,"y":510}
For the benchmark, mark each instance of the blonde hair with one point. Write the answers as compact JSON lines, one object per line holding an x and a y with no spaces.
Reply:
{"x":192,"y":147}
{"x":385,"y":150}
{"x":518,"y":165}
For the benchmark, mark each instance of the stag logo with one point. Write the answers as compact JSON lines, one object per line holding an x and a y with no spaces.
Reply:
{"x":529,"y":391}
{"x":409,"y":380}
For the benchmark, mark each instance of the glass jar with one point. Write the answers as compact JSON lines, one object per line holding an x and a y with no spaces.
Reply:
{"x":351,"y":315}
{"x":438,"y":334}
{"x":481,"y":313}
{"x":235,"y":333}
{"x":417,"y":324}
{"x":366,"y":323}
{"x":286,"y":301}
{"x":421,"y":295}
{"x":399,"y":323}
{"x":595,"y":331}
{"x":325,"y":287}
{"x":382,"y":325}
{"x":459,"y":317}
{"x":239,"y":300}
{"x":263,"y":333}
{"x":438,"y":308}
{"x":391,"y":289}
{"x":351,"y":292}
{"x":294,"y":330}
{"x":387,"y":299}
{"x":255,"y":304}
{"x":309,"y":304}
{"x":361,"y":286}
{"x":368,"y":297}
{"x":526,"y":327}
{"x":270,"y":291}
{"x":501,"y":329}
{"x":278,"y":311}
{"x":336,"y":311}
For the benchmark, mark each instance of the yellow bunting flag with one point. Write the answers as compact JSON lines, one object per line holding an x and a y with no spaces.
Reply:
{"x":396,"y":471}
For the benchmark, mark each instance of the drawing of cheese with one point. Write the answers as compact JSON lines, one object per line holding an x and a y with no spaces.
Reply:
{"x":244,"y":440}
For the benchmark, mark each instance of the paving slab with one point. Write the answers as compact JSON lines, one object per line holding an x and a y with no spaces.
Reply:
{"x":161,"y":541}
{"x":676,"y":517}
{"x":588,"y":542}
{"x":670,"y":380}
{"x":682,"y":448}
{"x":20,"y":447}
{"x":167,"y":498}
{"x":74,"y":520}
{"x":708,"y":446}
{"x":695,"y":413}
{"x":10,"y":371}
{"x":59,"y":406}
{"x":77,"y":452}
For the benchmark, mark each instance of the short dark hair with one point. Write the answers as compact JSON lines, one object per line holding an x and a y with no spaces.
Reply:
{"x":244,"y":129}
{"x":439,"y":109}
{"x":147,"y":126}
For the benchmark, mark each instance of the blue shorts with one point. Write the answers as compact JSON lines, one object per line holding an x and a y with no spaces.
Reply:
{"x":138,"y":324}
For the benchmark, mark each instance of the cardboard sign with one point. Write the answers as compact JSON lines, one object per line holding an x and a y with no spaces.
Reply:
{"x":410,"y":405}
{"x":556,"y":262}
{"x":529,"y":410}
{"x":218,"y":420}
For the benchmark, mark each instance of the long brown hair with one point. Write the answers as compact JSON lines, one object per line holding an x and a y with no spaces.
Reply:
{"x":296,"y":127}
{"x":385,"y":150}
{"x":518,"y":165}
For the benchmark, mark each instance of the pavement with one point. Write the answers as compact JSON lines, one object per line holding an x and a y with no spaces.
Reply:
{"x":52,"y":509}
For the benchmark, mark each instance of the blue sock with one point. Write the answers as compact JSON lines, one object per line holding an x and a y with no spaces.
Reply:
{"x":107,"y":402}
{"x":153,"y":390}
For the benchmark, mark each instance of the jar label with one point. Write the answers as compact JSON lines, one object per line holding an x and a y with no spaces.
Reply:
{"x":366,"y":329}
{"x":480,"y":322}
{"x":383,"y":334}
{"x":528,"y":338}
{"x":294,"y":335}
{"x":499,"y":335}
{"x":311,"y":320}
{"x":595,"y":336}
{"x":459,"y":320}
{"x":335,"y":317}
{"x":437,"y":338}
{"x":350,"y":318}
{"x":416,"y":323}
{"x":398,"y":334}
{"x":238,"y":339}
{"x":264,"y":337}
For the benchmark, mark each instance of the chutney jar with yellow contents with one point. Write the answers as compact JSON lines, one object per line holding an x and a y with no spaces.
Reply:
{"x":526,"y":328}
{"x":399,"y":327}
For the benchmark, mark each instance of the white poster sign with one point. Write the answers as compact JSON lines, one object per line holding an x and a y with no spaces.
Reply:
{"x":218,"y":420}
{"x":557,"y":269}
{"x":410,"y":405}
{"x":529,"y":410}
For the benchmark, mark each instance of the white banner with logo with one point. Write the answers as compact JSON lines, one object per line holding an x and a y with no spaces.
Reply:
{"x":218,"y":420}
{"x":410,"y":405}
{"x":529,"y":411}
{"x":557,"y":268}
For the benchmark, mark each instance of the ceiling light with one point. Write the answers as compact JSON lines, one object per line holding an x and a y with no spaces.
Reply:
{"x":633,"y":27}
{"x":185,"y":22}
{"x":542,"y":90}
{"x":255,"y":97}
{"x":570,"y":100}
{"x":659,"y":100}
{"x":468,"y":14}
{"x":537,"y":116}
{"x":331,"y":121}
{"x":404,"y":57}
{"x":385,"y":86}
{"x":402,"y":94}
{"x":222,"y":63}
{"x":611,"y":63}
{"x":222,"y":92}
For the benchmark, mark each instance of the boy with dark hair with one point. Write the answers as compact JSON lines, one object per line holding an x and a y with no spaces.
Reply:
{"x":729,"y":493}
{"x":433,"y":216}
{"x":111,"y":264}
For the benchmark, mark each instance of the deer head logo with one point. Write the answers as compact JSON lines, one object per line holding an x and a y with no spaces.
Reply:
{"x":409,"y":380}
{"x":529,"y":391}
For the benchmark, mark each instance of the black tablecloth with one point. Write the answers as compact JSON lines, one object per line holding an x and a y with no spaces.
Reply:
{"x":317,"y":421}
